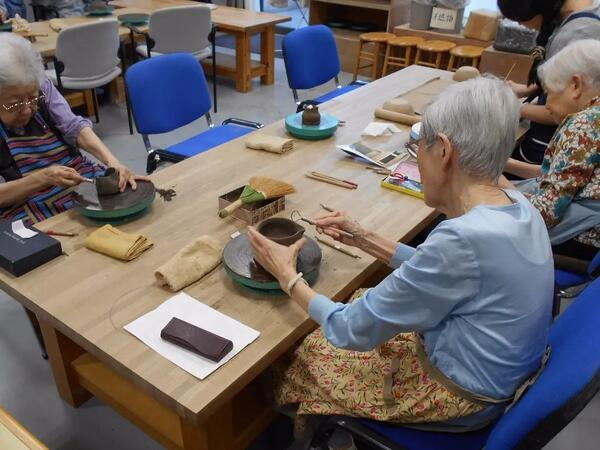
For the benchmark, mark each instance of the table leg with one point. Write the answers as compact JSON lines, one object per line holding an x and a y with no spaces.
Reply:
{"x":243,"y":81}
{"x":267,"y":54}
{"x":61,"y":353}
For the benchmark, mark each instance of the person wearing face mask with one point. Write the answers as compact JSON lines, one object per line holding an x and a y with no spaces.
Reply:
{"x":559,"y":22}
{"x":40,"y":138}
{"x":565,"y":188}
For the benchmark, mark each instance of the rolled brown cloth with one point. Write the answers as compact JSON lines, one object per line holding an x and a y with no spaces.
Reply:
{"x":405,"y":119}
{"x":190,"y":263}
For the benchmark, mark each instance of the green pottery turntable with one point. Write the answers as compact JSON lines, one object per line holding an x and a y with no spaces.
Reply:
{"x":240,"y":265}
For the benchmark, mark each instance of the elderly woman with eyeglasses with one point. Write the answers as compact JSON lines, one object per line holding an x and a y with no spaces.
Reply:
{"x":566,"y":187}
{"x":40,"y":138}
{"x":462,"y":320}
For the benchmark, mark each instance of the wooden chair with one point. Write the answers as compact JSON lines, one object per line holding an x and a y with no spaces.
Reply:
{"x":13,"y":436}
{"x":404,"y":45}
{"x":431,"y":53}
{"x":465,"y":55}
{"x":379,"y":42}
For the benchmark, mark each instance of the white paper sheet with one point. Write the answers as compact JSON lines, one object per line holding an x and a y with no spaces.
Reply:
{"x":147,"y":328}
{"x":19,"y":228}
{"x":380,"y":129}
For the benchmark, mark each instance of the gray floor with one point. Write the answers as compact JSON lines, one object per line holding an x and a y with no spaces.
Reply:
{"x":27,"y":389}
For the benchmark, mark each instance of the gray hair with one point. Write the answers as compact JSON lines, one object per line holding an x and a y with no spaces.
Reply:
{"x":581,"y":57}
{"x":481,"y":119}
{"x":20,"y":64}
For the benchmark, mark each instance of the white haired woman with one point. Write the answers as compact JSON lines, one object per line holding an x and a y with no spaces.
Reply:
{"x":463,"y":318}
{"x":566,"y":187}
{"x":40,"y":139}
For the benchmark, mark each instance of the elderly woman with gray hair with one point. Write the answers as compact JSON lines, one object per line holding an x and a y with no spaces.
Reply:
{"x":566,"y":187}
{"x":462,"y":320}
{"x":40,"y":138}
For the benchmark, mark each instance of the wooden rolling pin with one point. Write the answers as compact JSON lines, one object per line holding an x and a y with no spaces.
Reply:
{"x":405,"y":119}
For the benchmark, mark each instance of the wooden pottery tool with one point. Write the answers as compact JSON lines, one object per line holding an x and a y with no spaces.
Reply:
{"x":281,"y":230}
{"x":331,"y":180}
{"x":114,"y":209}
{"x":297,"y":216}
{"x":510,"y":71}
{"x":326,"y":208}
{"x":60,"y":233}
{"x":337,"y":247}
{"x":259,"y":188}
{"x":241,"y":266}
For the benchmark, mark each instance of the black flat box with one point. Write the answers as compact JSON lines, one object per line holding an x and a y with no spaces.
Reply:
{"x":18,"y":256}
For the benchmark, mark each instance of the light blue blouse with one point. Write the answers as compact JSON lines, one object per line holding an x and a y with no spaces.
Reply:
{"x":479,"y":289}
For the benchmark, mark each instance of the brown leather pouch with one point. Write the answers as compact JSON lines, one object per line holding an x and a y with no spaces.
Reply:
{"x":196,"y":339}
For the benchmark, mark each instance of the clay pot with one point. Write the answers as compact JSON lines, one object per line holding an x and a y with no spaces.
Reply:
{"x":283,"y":231}
{"x":109,"y":183}
{"x":311,"y":115}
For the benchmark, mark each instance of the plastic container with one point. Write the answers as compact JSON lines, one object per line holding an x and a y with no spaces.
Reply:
{"x":514,"y":38}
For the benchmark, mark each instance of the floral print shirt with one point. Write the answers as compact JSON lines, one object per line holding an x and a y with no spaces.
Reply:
{"x":571,"y":169}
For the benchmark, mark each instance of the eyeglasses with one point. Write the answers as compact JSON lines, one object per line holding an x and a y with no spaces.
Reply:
{"x":17,"y":106}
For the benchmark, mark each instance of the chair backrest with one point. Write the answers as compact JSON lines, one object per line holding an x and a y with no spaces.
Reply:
{"x":310,"y":56}
{"x":180,"y":28}
{"x":167,"y":92}
{"x":568,"y":383}
{"x":90,"y":49}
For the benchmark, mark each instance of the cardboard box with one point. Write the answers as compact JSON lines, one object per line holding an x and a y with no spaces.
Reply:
{"x":482,"y":24}
{"x":252,"y":213}
{"x":18,"y":256}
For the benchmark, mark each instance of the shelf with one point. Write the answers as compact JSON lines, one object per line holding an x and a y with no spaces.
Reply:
{"x":382,"y":5}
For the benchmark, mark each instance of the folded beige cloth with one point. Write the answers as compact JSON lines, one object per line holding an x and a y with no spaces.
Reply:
{"x":190,"y":263}
{"x":268,"y":143}
{"x":113,"y":242}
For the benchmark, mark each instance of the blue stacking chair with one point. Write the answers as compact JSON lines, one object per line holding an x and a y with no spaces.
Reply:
{"x":567,"y":384}
{"x":168,"y":92}
{"x":569,"y":284}
{"x":311,"y":59}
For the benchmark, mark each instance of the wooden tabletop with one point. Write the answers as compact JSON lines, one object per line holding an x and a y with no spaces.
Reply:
{"x":225,"y":17}
{"x":90,"y":297}
{"x":46,"y":45}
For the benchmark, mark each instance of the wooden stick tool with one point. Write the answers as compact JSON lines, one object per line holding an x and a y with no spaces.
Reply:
{"x":299,"y":216}
{"x":337,"y":247}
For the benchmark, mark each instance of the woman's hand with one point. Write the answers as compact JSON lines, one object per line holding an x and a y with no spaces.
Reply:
{"x":126,"y":176}
{"x":59,"y":176}
{"x":279,"y":260}
{"x":330,"y":224}
{"x":522,"y":90}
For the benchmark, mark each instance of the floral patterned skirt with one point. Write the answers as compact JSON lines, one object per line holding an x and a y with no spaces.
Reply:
{"x":386,"y":384}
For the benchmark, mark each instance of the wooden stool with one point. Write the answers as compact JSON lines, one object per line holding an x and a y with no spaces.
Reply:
{"x":434,"y":48}
{"x":405,"y":45}
{"x":469,"y":53}
{"x":379,"y":41}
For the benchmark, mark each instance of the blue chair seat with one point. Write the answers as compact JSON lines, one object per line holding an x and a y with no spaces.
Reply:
{"x":337,"y":92}
{"x":211,"y":138}
{"x":565,"y":279}
{"x":413,"y":439}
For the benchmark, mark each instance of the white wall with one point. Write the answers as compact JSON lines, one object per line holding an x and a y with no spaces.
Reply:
{"x":481,"y":4}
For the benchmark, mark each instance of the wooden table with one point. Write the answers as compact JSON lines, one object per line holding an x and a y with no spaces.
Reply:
{"x":84,"y":299}
{"x":242,"y":24}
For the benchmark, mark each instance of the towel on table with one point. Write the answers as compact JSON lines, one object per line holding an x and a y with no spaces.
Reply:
{"x":113,"y":242}
{"x":190,"y":263}
{"x":273,"y":144}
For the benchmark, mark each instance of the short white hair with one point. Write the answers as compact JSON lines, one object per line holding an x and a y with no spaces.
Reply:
{"x":480,"y":117}
{"x":20,"y":64}
{"x":579,"y":58}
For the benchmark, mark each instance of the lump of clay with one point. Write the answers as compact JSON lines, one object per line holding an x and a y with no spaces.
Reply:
{"x":399,"y":105}
{"x":465,"y":73}
{"x":311,"y":115}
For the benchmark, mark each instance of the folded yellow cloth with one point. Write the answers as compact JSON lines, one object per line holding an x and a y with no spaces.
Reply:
{"x":113,"y":242}
{"x":273,"y":144}
{"x":190,"y":263}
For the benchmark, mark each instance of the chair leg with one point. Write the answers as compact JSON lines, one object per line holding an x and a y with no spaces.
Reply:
{"x":375,"y":62}
{"x":388,"y":52}
{"x":129,"y":118}
{"x":438,"y":61}
{"x":214,"y":80}
{"x":451,"y":63}
{"x":95,"y":98}
{"x":357,"y":65}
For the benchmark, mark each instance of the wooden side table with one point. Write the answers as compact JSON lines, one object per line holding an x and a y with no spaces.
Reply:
{"x":405,"y":46}
{"x":378,"y":41}
{"x":470,"y":54}
{"x":431,"y":53}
